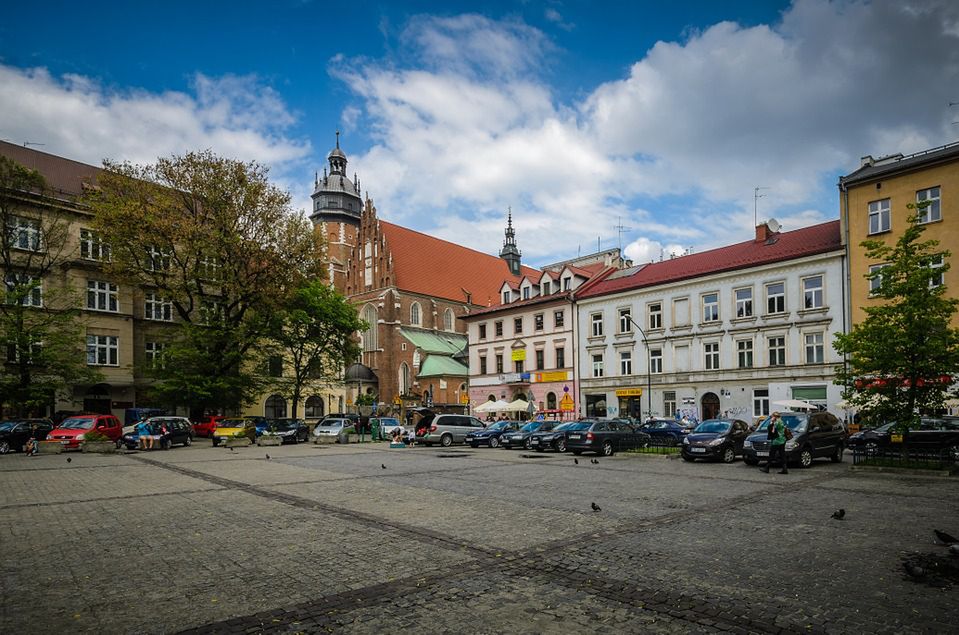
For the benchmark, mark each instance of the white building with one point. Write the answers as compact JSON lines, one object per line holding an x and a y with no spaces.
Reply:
{"x":730,"y":331}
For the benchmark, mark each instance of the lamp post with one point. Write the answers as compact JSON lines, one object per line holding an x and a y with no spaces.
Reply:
{"x":649,"y":369}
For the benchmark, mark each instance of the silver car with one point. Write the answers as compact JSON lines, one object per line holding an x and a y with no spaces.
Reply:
{"x":446,"y":429}
{"x":332,"y":427}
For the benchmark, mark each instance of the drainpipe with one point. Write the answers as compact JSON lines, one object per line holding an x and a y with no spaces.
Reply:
{"x":577,"y":387}
{"x":846,"y":278}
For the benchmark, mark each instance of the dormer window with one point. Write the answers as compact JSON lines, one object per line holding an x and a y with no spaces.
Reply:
{"x":567,"y":283}
{"x":545,"y":288}
{"x":505,"y":297}
{"x":526,"y":293}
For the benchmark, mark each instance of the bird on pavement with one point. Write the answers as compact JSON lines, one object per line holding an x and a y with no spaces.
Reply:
{"x":945,"y":538}
{"x":596,"y":508}
{"x":232,"y":450}
{"x":383,"y":465}
{"x":914,"y":571}
{"x":594,"y":461}
{"x":267,"y":457}
{"x":576,"y":461}
{"x":69,"y":459}
{"x":839,"y":514}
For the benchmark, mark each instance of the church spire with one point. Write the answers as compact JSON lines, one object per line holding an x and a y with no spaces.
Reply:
{"x":510,"y":252}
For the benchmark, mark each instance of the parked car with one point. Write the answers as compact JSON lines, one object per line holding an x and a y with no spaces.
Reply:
{"x":388,"y":425}
{"x":933,"y":434}
{"x":333,"y":426}
{"x":234,"y":427}
{"x":72,"y":430}
{"x":521,"y":438}
{"x":606,"y":438}
{"x":446,"y":429}
{"x":720,"y":439}
{"x":815,"y":435}
{"x":556,"y":439}
{"x":206,"y":426}
{"x":291,"y":430}
{"x":172,"y":430}
{"x":491,"y":434}
{"x":15,"y":433}
{"x":665,"y":431}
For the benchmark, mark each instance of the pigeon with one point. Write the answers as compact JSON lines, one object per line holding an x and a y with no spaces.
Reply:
{"x":383,"y":465}
{"x":914,"y":571}
{"x":69,"y":459}
{"x":576,"y":461}
{"x":839,"y":514}
{"x":233,"y":450}
{"x":267,"y":457}
{"x":594,"y":461}
{"x":954,"y":550}
{"x":945,"y":538}
{"x":596,"y":508}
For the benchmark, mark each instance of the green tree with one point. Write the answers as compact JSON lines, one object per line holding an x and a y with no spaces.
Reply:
{"x":316,"y":335}
{"x":41,"y":328}
{"x":900,"y":360}
{"x":215,"y":239}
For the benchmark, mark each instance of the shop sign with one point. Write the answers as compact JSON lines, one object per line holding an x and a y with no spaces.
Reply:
{"x":561,"y":375}
{"x":629,"y":392}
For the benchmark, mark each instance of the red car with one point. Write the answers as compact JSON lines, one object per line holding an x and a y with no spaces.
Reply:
{"x":72,"y":429}
{"x":206,"y":427}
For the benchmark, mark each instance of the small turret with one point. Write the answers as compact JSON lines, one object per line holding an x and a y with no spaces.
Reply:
{"x":510,"y":252}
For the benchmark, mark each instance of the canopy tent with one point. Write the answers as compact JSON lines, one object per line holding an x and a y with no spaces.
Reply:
{"x":795,"y":404}
{"x":518,"y":405}
{"x":492,"y":406}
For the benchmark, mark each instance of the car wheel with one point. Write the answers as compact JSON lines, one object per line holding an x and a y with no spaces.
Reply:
{"x":687,"y":457}
{"x":607,"y":449}
{"x":493,"y":442}
{"x":577,"y":452}
{"x":729,"y":455}
{"x":446,"y":440}
{"x":4,"y":447}
{"x":119,"y":444}
{"x":805,"y":458}
{"x":215,"y":442}
{"x":561,"y":445}
{"x":528,"y":444}
{"x":188,"y":441}
{"x":837,"y":455}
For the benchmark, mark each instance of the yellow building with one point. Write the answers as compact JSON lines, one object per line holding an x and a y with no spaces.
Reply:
{"x":873,"y":205}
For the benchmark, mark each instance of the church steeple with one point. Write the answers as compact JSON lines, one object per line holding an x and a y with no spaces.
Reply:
{"x":335,"y":197}
{"x":510,"y":252}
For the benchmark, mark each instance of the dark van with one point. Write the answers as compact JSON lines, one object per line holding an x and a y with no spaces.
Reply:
{"x":815,"y":435}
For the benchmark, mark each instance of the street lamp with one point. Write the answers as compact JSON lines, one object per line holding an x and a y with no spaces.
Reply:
{"x":649,"y":366}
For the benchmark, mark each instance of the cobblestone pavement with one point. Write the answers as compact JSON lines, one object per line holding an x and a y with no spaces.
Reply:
{"x":324,"y":539}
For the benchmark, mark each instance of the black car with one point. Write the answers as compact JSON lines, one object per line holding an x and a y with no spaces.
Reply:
{"x":606,"y":438}
{"x":934,"y":434}
{"x":815,"y":435}
{"x":15,"y":433}
{"x":171,"y":430}
{"x":491,"y":434}
{"x":290,"y":430}
{"x":720,"y":439}
{"x":556,"y":439}
{"x":521,"y":438}
{"x":665,"y":431}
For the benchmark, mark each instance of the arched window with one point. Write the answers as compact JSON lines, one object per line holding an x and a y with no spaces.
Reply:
{"x":369,"y":335}
{"x":551,"y":401}
{"x":314,"y":407}
{"x":448,"y":320}
{"x":275,"y":407}
{"x":415,"y":314}
{"x":340,"y":404}
{"x":404,"y":378}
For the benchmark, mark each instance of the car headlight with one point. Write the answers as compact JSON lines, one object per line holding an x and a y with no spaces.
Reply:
{"x":685,"y":440}
{"x":791,"y":445}
{"x":747,"y":443}
{"x":718,"y":441}
{"x":80,"y":437}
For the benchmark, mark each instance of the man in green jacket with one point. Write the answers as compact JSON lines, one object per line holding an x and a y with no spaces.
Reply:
{"x":777,"y":443}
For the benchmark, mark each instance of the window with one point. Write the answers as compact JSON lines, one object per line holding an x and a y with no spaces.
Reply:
{"x":625,"y":363}
{"x":655,"y":312}
{"x":567,"y":283}
{"x":812,"y":292}
{"x":875,"y":278}
{"x":274,"y":366}
{"x":482,"y":331}
{"x":314,"y":407}
{"x":404,"y":377}
{"x":448,"y":319}
{"x":711,"y":353}
{"x":560,"y":357}
{"x":154,"y":355}
{"x":597,"y":365}
{"x":545,"y":288}
{"x":551,"y":401}
{"x":711,"y":307}
{"x":157,"y":308}
{"x":369,"y":335}
{"x":482,"y":361}
{"x":518,"y":325}
{"x":681,"y":312}
{"x":92,"y":246}
{"x":760,"y":402}
{"x":540,"y":359}
{"x":596,"y":406}
{"x":506,"y":297}
{"x":526,"y":292}
{"x":655,"y":360}
{"x":499,"y":363}
{"x":538,"y":322}
{"x":518,"y":366}
{"x":157,"y":259}
{"x":935,"y":264}
{"x":669,"y":403}
{"x":102,"y":296}
{"x":777,"y":351}
{"x":745,"y":350}
{"x":625,"y":321}
{"x":744,"y":302}
{"x":415,"y":314}
{"x":597,"y":321}
{"x":776,"y":297}
{"x":557,"y":319}
{"x":814,"y":348}
{"x":931,"y":212}
{"x":498,"y":328}
{"x":879,"y":220}
{"x":32,"y":347}
{"x":275,"y":407}
{"x":24,"y":289}
{"x":210,"y":312}
{"x":102,"y":350}
{"x":208,"y":268}
{"x":23,"y":233}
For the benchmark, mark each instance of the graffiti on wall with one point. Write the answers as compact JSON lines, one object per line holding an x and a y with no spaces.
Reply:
{"x":690,"y":414}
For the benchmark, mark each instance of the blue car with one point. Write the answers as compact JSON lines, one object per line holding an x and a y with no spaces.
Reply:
{"x":491,"y":434}
{"x":665,"y":431}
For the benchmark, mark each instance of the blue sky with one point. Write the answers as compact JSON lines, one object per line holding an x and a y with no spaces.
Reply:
{"x":581,"y":116}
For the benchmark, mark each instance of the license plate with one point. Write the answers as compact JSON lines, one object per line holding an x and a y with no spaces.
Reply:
{"x":65,"y":442}
{"x":761,"y":453}
{"x":575,"y":436}
{"x":534,"y":442}
{"x":697,"y":449}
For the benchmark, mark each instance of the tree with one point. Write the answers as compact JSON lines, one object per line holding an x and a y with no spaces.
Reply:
{"x":41,"y":330}
{"x":902,"y":358}
{"x":316,"y":335}
{"x":214,"y":240}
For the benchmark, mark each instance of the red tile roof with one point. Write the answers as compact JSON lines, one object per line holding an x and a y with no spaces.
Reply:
{"x":430,"y":266}
{"x":808,"y":241}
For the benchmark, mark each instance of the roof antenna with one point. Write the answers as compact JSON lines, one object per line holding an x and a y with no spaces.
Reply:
{"x":32,"y":143}
{"x":620,"y":229}
{"x":756,"y":197}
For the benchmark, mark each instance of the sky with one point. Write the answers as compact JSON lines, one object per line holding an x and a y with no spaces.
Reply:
{"x":642,"y":125}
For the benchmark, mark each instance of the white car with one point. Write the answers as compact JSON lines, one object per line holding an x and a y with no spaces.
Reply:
{"x":388,"y":425}
{"x":332,"y":427}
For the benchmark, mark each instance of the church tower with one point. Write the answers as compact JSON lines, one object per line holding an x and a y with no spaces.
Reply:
{"x":510,"y":252}
{"x":337,"y":206}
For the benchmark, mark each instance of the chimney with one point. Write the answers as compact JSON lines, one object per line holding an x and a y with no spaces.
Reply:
{"x":762,"y":232}
{"x":866,"y":161}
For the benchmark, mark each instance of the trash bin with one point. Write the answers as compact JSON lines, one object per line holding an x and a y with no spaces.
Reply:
{"x":343,"y":437}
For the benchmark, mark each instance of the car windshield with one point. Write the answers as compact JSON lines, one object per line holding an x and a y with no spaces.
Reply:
{"x":389,"y":422}
{"x":77,"y":424}
{"x":331,"y":423}
{"x":231,"y":423}
{"x":532,"y":426}
{"x":282,"y":425}
{"x":569,"y":425}
{"x":6,"y":426}
{"x":716,"y":427}
{"x":579,"y":425}
{"x":500,"y":425}
{"x":792,"y":422}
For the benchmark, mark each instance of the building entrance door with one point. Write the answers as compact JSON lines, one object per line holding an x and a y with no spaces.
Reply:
{"x":710,"y":405}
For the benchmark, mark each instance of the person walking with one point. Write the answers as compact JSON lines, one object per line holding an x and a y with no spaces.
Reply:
{"x":776,"y":434}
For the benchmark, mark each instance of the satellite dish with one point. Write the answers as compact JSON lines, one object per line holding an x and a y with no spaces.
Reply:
{"x":773,"y":225}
